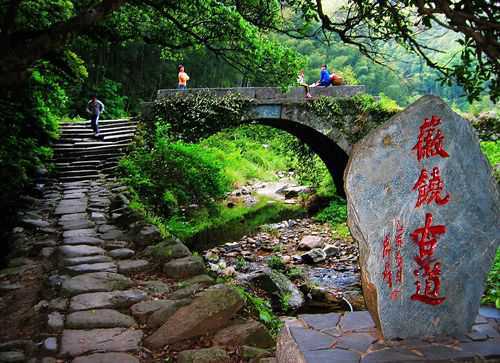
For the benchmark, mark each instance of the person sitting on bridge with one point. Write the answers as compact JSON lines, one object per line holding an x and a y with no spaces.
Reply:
{"x":301,"y":82}
{"x":94,"y":109}
{"x":324,"y":79}
{"x":183,"y":78}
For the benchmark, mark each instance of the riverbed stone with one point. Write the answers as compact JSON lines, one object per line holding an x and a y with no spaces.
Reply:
{"x":211,"y":310}
{"x":185,"y":267}
{"x":107,"y":358}
{"x":249,"y":332}
{"x":79,"y":342}
{"x":95,"y":282}
{"x":311,"y":242}
{"x":206,"y":355}
{"x":380,"y":181}
{"x":100,"y":318}
{"x":279,"y":286}
{"x":101,"y":300}
{"x":314,"y":256}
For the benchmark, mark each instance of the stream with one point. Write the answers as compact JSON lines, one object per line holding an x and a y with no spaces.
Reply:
{"x":316,"y":260}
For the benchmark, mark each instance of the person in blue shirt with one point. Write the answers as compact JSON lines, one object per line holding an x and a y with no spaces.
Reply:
{"x":324,"y":79}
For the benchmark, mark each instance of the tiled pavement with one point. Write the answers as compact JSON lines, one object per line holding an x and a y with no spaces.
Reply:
{"x":352,"y":337}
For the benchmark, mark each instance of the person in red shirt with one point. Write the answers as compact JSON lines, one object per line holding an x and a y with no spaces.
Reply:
{"x":183,"y":78}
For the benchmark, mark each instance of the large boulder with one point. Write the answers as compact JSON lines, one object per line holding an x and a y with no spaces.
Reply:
{"x":210,"y":310}
{"x":248,"y":332}
{"x":424,"y":208}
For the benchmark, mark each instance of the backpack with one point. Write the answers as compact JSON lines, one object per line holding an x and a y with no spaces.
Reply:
{"x":336,"y":79}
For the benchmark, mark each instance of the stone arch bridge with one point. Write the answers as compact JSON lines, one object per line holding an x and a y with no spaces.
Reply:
{"x":330,"y":132}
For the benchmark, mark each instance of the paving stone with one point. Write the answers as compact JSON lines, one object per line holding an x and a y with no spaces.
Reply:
{"x":79,"y":342}
{"x":70,"y":209}
{"x":87,"y":232}
{"x":95,"y":282}
{"x":356,"y":341}
{"x":392,"y":355}
{"x":475,"y":336}
{"x":141,"y":311}
{"x":80,"y":251}
{"x":356,"y":321}
{"x":308,"y":339}
{"x":101,"y":300}
{"x":58,"y":304}
{"x":486,"y":329}
{"x":92,"y":267}
{"x":55,"y":322}
{"x":77,"y":224}
{"x":489,"y":312}
{"x":121,"y":253}
{"x":130,"y":266}
{"x":72,"y":217}
{"x":101,"y":318}
{"x":112,"y":245}
{"x":321,"y":321}
{"x":156,"y":287}
{"x":182,"y":268}
{"x":86,"y":240}
{"x":206,"y":355}
{"x":88,"y":259}
{"x":331,"y":355}
{"x":114,"y":234}
{"x":12,"y":357}
{"x":107,"y":358}
{"x":50,"y":345}
{"x":480,"y":320}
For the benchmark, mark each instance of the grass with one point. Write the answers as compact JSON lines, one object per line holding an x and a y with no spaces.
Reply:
{"x":492,"y":289}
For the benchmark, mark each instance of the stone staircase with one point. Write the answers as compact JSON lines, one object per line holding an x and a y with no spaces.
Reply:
{"x":81,"y":156}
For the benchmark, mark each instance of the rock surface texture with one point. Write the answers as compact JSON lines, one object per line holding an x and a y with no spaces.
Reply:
{"x":424,"y":208}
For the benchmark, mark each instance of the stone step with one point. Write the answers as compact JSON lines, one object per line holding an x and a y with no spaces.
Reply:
{"x":132,"y":266}
{"x":78,"y":178}
{"x":67,"y":125}
{"x":78,"y":172}
{"x":88,"y":150}
{"x":80,"y":342}
{"x":106,"y":300}
{"x":106,"y":129}
{"x":107,"y":358}
{"x":91,"y":267}
{"x":80,"y":251}
{"x":100,"y":318}
{"x":95,"y":282}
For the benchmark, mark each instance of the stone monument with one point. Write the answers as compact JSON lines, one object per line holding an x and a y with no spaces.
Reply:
{"x":425,"y":209}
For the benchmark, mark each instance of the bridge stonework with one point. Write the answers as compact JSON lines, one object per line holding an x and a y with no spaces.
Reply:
{"x":331,"y":138}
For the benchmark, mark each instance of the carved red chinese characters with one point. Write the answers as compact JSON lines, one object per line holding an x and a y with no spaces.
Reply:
{"x":388,"y":255}
{"x":430,"y":140}
{"x":430,"y":190}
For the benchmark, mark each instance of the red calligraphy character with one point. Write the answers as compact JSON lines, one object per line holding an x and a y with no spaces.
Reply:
{"x":425,"y":237}
{"x":399,"y":235}
{"x":399,"y":264}
{"x":430,"y":140}
{"x":388,"y":273}
{"x":430,"y":190}
{"x":387,"y":246}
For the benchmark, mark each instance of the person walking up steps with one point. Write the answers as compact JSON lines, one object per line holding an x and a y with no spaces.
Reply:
{"x":94,"y":109}
{"x":183,"y":78}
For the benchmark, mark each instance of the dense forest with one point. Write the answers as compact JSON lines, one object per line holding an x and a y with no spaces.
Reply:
{"x":58,"y":53}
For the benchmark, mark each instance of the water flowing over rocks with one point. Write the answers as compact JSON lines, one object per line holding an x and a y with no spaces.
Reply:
{"x":432,"y":213}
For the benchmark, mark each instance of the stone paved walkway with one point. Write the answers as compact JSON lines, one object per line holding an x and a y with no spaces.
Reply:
{"x":352,"y":338}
